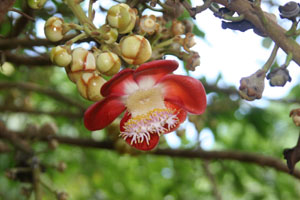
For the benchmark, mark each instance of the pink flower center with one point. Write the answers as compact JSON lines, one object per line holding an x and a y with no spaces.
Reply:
{"x":140,"y":128}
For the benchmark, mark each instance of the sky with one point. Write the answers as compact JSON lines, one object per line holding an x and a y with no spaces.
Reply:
{"x":230,"y":53}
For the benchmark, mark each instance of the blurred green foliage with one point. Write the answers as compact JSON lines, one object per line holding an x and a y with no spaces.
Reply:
{"x":97,"y":174}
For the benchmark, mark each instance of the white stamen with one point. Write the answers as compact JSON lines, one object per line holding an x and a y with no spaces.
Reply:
{"x":141,"y":127}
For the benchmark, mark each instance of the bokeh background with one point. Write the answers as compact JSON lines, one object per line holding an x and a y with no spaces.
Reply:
{"x":262,"y":127}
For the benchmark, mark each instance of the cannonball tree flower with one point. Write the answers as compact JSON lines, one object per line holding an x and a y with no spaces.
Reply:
{"x":155,"y":102}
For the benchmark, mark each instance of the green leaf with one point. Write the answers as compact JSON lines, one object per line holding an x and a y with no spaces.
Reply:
{"x":198,"y":32}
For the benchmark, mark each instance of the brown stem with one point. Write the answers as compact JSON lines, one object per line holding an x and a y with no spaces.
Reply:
{"x":198,"y":9}
{"x":36,"y":181}
{"x":212,"y":179}
{"x":22,"y":21}
{"x":254,"y":158}
{"x":42,"y":60}
{"x":272,"y":29}
{"x":12,"y":43}
{"x":71,"y":115}
{"x":23,"y":14}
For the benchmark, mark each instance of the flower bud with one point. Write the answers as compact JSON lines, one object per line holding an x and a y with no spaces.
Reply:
{"x":290,"y":10}
{"x":108,"y":34}
{"x":122,"y":17}
{"x":60,"y":56}
{"x":36,"y":4}
{"x":295,"y":114}
{"x":148,"y":24}
{"x":192,"y":60}
{"x":82,"y":61}
{"x":89,"y":86}
{"x":7,"y":69}
{"x":54,"y":29}
{"x":188,"y":42}
{"x":252,"y":87}
{"x":177,"y":27}
{"x":135,"y":49}
{"x":108,"y":63}
{"x":279,"y":76}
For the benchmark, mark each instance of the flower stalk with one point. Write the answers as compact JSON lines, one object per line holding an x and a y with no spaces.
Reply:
{"x":271,"y":59}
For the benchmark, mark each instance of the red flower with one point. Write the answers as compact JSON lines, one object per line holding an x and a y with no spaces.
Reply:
{"x":156,"y":102}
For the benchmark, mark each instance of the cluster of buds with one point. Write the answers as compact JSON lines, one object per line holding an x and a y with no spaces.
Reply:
{"x":172,"y":40}
{"x":87,"y":68}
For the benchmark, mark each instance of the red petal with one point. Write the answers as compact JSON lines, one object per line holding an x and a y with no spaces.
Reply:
{"x":102,"y":113}
{"x":181,"y":115}
{"x":184,"y":91}
{"x":154,"y":139}
{"x":116,"y":84}
{"x":156,"y":69}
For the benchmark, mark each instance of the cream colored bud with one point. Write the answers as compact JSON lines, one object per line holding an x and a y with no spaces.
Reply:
{"x":54,"y":29}
{"x":188,"y":41}
{"x":108,"y":34}
{"x":135,"y":49}
{"x":60,"y":56}
{"x":82,"y":61}
{"x":7,"y":69}
{"x":89,"y":86}
{"x":122,"y":17}
{"x":36,"y":4}
{"x":177,"y":27}
{"x":108,"y":63}
{"x":148,"y":24}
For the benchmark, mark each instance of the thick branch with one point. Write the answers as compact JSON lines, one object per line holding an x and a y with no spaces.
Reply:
{"x":67,"y":114}
{"x":265,"y":161}
{"x":272,"y":29}
{"x":12,"y":43}
{"x":47,"y":91}
{"x":27,"y":60}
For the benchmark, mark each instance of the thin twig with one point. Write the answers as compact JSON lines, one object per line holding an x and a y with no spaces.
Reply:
{"x":198,"y":9}
{"x":23,"y":14}
{"x":47,"y":91}
{"x":73,"y":115}
{"x":36,"y":181}
{"x":15,"y":139}
{"x":212,"y":179}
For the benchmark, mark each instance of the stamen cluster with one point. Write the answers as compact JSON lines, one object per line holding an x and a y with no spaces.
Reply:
{"x":141,"y":127}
